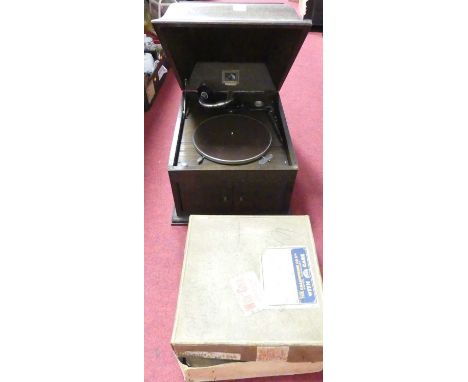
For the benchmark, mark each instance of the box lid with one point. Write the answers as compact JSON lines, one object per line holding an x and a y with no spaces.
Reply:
{"x":192,"y":32}
{"x":211,"y":321}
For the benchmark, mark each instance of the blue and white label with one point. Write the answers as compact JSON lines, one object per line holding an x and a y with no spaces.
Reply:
{"x":303,"y":273}
{"x":288,"y":277}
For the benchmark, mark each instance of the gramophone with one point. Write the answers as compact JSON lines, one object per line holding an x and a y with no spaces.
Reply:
{"x":231,"y":152}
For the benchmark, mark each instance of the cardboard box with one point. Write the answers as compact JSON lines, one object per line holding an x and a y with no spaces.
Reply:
{"x":250,"y":299}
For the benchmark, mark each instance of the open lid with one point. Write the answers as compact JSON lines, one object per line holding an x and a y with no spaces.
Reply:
{"x":192,"y":32}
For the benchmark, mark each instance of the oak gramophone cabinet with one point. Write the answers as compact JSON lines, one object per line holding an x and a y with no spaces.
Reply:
{"x":231,"y":152}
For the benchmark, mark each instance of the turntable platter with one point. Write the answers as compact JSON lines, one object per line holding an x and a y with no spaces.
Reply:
{"x":232,"y":139}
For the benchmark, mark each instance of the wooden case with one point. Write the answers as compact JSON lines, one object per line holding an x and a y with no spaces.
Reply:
{"x":261,"y":42}
{"x":215,"y":188}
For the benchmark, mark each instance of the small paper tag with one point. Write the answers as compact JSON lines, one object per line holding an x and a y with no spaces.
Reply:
{"x":212,"y":355}
{"x":248,"y":291}
{"x":272,"y":353}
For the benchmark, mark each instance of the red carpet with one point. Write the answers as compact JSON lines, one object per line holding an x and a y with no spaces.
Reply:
{"x":164,"y":244}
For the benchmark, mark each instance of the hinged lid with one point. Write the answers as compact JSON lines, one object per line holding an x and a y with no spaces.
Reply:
{"x":192,"y":32}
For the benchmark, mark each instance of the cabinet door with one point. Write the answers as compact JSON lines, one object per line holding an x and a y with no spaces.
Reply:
{"x":232,"y":192}
{"x":204,"y":195}
{"x":262,"y":193}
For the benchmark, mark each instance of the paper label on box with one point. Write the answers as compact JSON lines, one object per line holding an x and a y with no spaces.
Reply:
{"x":288,"y":277}
{"x":248,"y":292}
{"x":272,"y":353}
{"x":212,"y":355}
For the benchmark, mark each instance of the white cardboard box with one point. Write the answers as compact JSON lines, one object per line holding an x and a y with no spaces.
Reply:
{"x":250,"y":299}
